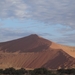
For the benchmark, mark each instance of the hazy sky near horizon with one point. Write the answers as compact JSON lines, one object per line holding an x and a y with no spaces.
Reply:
{"x":51,"y":19}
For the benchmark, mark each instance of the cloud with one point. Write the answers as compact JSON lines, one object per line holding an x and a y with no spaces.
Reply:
{"x":67,"y":35}
{"x":1,"y":24}
{"x":48,"y":11}
{"x":45,"y":34}
{"x":12,"y":9}
{"x":64,"y":30}
{"x":10,"y":34}
{"x":67,"y":39}
{"x":54,"y":11}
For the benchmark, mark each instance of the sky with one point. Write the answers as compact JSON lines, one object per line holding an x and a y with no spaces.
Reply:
{"x":50,"y":19}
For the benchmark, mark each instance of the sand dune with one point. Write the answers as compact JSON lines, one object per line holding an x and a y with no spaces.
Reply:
{"x":34,"y":52}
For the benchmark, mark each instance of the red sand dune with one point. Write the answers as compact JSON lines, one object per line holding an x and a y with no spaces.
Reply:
{"x":34,"y":52}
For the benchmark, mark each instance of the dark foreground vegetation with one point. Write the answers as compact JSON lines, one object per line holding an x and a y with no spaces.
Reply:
{"x":37,"y":71}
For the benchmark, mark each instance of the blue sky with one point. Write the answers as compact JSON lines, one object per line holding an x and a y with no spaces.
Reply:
{"x":51,"y":19}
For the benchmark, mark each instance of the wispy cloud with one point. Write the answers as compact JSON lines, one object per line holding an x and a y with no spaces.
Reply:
{"x":13,"y":9}
{"x":10,"y":34}
{"x":48,"y":11}
{"x":67,"y":39}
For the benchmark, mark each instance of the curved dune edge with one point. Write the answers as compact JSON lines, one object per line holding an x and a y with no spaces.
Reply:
{"x":68,"y":49}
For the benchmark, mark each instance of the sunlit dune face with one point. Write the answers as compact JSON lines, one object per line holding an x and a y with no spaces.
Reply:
{"x":67,"y":49}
